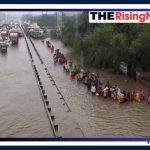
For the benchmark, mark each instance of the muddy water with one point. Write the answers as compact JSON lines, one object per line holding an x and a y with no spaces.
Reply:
{"x":21,"y":110}
{"x":96,"y":116}
{"x":67,"y":125}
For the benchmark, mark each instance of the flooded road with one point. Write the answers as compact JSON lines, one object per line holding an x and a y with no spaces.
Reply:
{"x":21,"y":108}
{"x":99,"y":117}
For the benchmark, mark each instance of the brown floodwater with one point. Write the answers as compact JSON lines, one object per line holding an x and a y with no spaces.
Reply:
{"x":96,"y":116}
{"x":21,"y":109}
{"x":22,"y":112}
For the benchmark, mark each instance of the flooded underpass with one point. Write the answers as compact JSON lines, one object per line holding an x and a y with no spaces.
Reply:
{"x":22,"y":112}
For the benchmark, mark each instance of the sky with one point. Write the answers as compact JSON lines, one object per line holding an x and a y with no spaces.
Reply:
{"x":25,"y":12}
{"x":35,"y":12}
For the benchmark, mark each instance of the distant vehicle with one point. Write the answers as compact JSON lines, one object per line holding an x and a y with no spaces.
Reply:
{"x":36,"y":33}
{"x":10,"y":26}
{"x":20,"y":34}
{"x":4,"y":33}
{"x":6,"y":41}
{"x":13,"y":36}
{"x":28,"y":29}
{"x":16,"y":30}
{"x":3,"y":47}
{"x":13,"y":30}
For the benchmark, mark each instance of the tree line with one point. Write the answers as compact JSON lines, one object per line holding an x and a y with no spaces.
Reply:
{"x":48,"y":20}
{"x":107,"y":45}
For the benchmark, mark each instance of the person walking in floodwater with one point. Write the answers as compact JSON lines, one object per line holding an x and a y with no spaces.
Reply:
{"x":128,"y":96}
{"x":94,"y":84}
{"x":105,"y":92}
{"x":141,"y":95}
{"x":93,"y":89}
{"x":137,"y":96}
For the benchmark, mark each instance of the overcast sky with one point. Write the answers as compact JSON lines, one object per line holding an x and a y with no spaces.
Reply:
{"x":35,"y":12}
{"x":26,"y":12}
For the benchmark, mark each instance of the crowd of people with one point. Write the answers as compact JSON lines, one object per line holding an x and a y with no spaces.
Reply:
{"x":93,"y":81}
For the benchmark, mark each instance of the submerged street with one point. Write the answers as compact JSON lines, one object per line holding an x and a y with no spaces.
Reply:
{"x":22,"y":111}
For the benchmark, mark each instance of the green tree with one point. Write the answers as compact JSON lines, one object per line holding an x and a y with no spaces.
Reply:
{"x":107,"y":45}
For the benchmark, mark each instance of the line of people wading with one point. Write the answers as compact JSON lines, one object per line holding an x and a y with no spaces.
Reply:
{"x":93,"y":82}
